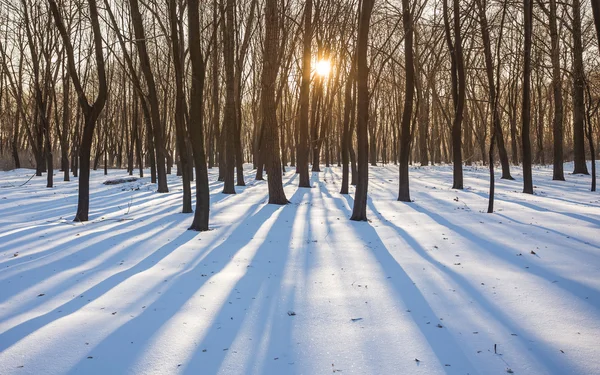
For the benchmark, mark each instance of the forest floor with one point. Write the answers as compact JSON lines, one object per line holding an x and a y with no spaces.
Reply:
{"x":436,"y":286}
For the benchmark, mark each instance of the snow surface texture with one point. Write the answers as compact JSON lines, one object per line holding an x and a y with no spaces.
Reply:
{"x":432,"y":287}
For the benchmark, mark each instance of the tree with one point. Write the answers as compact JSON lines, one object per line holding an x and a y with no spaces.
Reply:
{"x":229,"y":121}
{"x":359,"y":211}
{"x":526,"y":103}
{"x":346,"y":146}
{"x":578,"y":94}
{"x":181,"y":133}
{"x":196,"y":122}
{"x":269,"y":108}
{"x":302,"y":145}
{"x":405,"y":136}
{"x":496,"y":130}
{"x":458,"y":89}
{"x":91,"y":112}
{"x":157,"y":128}
{"x":557,"y":122}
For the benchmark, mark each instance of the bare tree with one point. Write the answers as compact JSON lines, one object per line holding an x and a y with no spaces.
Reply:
{"x":196,"y":122}
{"x":269,"y":109}
{"x":405,"y":129}
{"x":302,"y":146}
{"x":91,"y":112}
{"x":359,"y":211}
{"x":157,"y":128}
{"x":526,"y":103}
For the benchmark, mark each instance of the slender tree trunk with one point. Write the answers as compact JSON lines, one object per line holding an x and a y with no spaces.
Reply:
{"x":346,"y":135}
{"x":353,"y":166}
{"x":157,"y":129}
{"x":496,"y":130}
{"x":66,"y":116}
{"x":578,"y":94}
{"x":458,"y":90}
{"x":302,"y":146}
{"x":196,"y":123}
{"x":91,"y":112}
{"x":557,"y":121}
{"x":269,"y":108}
{"x":409,"y":92}
{"x":526,"y":114}
{"x":359,"y":211}
{"x":229,"y":127}
{"x":590,"y":136}
{"x":181,"y":133}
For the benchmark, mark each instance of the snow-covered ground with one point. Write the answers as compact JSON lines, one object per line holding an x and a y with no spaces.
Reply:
{"x":432,"y":287}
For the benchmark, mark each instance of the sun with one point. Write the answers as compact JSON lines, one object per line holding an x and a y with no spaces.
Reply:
{"x":323,"y":68}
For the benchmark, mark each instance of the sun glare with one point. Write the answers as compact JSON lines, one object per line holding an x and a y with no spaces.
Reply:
{"x":323,"y":68}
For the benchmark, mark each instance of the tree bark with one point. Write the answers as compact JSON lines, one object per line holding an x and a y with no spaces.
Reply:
{"x":409,"y":92}
{"x":181,"y":133}
{"x":269,"y":108}
{"x":91,"y":112}
{"x":157,"y":128}
{"x":526,"y":107}
{"x":359,"y":211}
{"x":557,"y":121}
{"x":578,"y":94}
{"x":229,"y":121}
{"x":196,"y":123}
{"x":458,"y":90}
{"x":303,"y":146}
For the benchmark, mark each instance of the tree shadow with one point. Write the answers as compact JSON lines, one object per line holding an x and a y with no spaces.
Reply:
{"x":154,"y":319}
{"x":584,"y":292}
{"x":443,"y":343}
{"x":257,"y":306}
{"x":157,"y":219}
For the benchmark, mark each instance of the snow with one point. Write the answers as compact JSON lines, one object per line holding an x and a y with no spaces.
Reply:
{"x":430,"y":287}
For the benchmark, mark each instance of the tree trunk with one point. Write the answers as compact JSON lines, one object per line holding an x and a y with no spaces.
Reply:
{"x":409,"y":92}
{"x":359,"y":211}
{"x":181,"y":133}
{"x":578,"y":94}
{"x":526,"y":114}
{"x":269,"y":108}
{"x":157,"y":129}
{"x":458,"y":90}
{"x":346,"y":135}
{"x":196,"y":123}
{"x":229,"y":121}
{"x":302,"y":146}
{"x":91,"y":112}
{"x":557,"y":121}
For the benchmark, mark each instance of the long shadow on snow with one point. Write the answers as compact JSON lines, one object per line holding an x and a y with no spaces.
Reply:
{"x":147,"y":212}
{"x":501,"y":317}
{"x":584,"y":292}
{"x":571,"y":238}
{"x":329,"y":219}
{"x":91,"y":247}
{"x":14,"y":334}
{"x":508,"y":200}
{"x":183,"y":286}
{"x":244,"y":307}
{"x":442,"y":342}
{"x":568,"y":214}
{"x":59,"y":235}
{"x":56,"y":267}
